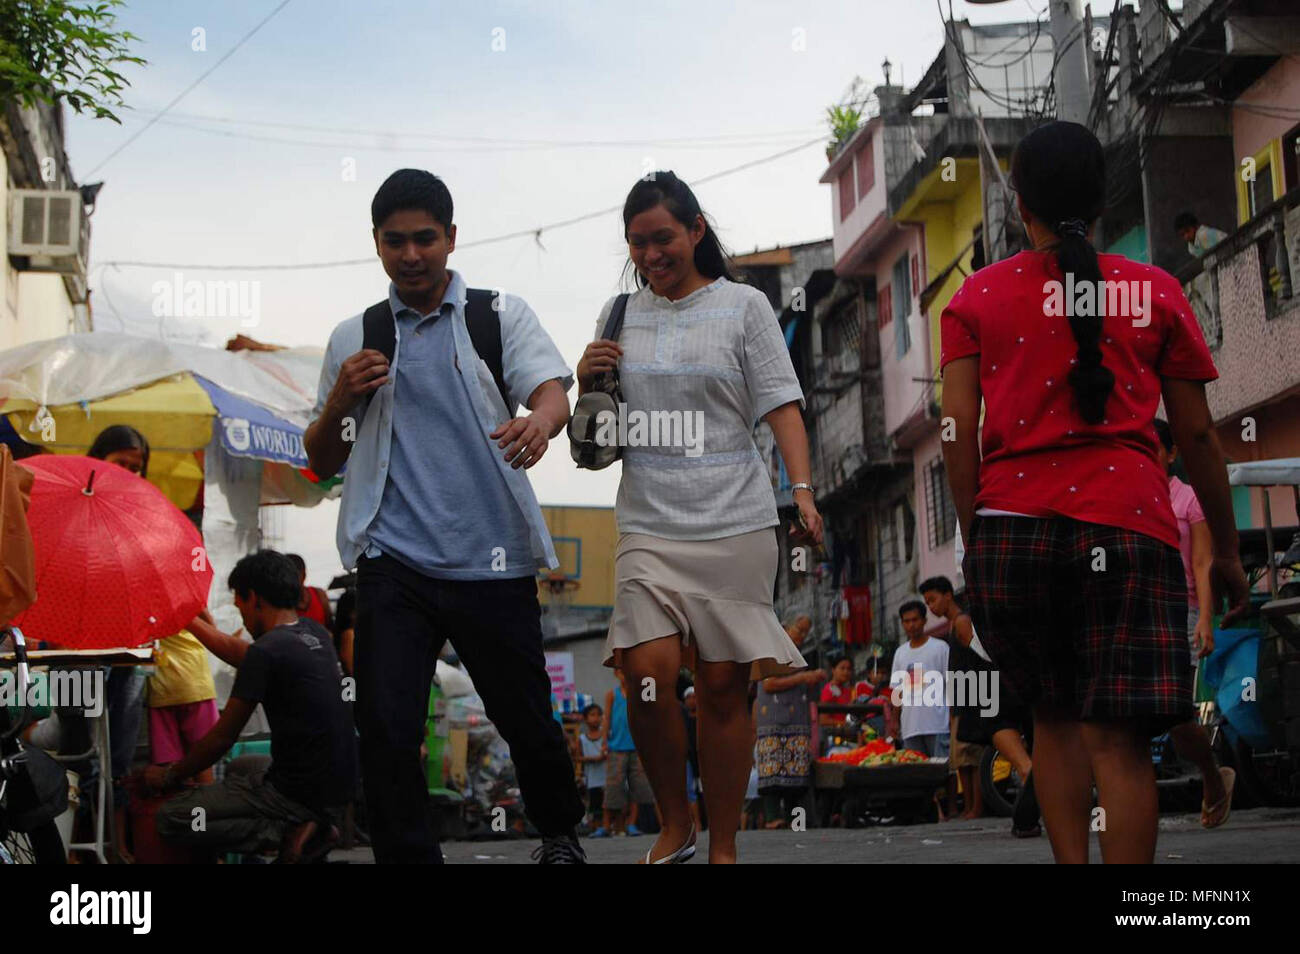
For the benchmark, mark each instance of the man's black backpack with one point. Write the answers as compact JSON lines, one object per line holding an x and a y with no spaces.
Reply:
{"x":378,"y":331}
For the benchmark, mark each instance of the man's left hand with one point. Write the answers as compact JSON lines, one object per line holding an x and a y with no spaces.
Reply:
{"x":527,"y":437}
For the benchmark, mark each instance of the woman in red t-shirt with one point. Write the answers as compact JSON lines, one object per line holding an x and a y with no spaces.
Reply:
{"x":1072,"y":563}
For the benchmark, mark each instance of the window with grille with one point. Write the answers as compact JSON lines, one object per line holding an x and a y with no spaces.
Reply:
{"x":842,"y":332}
{"x":940,"y":515}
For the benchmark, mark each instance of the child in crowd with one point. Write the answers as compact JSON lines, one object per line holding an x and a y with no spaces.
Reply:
{"x":839,"y":691}
{"x":182,"y":700}
{"x":591,"y":755}
{"x":626,"y":785}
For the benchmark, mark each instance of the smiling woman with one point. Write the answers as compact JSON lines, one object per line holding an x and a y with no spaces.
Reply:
{"x":697,"y":554}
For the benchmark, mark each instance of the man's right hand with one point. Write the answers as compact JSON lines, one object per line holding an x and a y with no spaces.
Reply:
{"x":363,"y":373}
{"x":328,"y":439}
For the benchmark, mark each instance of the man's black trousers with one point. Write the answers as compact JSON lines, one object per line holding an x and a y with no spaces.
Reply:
{"x":403,"y":619}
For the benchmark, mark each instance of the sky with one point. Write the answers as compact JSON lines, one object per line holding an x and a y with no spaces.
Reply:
{"x":533,"y":113}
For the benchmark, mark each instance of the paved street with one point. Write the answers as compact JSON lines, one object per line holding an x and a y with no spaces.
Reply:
{"x":1260,"y":836}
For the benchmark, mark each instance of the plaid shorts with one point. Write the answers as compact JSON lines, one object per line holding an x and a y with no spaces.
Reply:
{"x":1102,"y":643}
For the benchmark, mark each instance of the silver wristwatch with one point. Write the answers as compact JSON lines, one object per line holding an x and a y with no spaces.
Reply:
{"x":803,"y":486}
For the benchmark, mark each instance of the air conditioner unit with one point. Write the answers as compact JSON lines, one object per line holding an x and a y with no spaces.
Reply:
{"x":50,"y":228}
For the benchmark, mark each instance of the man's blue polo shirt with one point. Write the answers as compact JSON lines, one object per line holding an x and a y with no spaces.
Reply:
{"x":446,"y":510}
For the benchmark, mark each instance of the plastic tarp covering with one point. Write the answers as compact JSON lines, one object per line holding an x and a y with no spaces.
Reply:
{"x":87,"y":367}
{"x":1265,"y":473}
{"x":250,"y":430}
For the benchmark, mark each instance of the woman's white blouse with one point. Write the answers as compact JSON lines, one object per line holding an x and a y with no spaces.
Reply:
{"x":697,"y":375}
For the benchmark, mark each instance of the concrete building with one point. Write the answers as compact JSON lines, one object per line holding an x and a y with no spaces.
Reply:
{"x":909,"y":199}
{"x":46,"y":229}
{"x":1234,"y":67}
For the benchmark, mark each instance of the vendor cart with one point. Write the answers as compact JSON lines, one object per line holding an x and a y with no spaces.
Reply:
{"x":901,"y":791}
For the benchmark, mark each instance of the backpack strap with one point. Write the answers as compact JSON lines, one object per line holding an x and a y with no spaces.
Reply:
{"x":484,"y":324}
{"x":379,"y":331}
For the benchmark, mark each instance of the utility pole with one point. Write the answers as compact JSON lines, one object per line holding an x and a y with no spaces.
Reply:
{"x":1069,"y":58}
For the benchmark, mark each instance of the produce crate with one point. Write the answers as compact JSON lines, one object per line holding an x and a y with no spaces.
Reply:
{"x":829,"y":774}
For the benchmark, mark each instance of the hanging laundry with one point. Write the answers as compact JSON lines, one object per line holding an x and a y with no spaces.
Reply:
{"x":857,"y":601}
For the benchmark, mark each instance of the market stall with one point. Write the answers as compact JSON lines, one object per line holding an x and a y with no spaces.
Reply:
{"x":225,"y":429}
{"x":867,"y":773}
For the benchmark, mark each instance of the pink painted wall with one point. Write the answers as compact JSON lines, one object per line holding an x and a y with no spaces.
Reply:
{"x":1278,"y":87}
{"x":1257,"y":360}
{"x":869,"y":207}
{"x":940,"y":561}
{"x":901,"y":392}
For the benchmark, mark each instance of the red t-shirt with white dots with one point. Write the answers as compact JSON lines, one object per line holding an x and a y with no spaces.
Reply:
{"x":1039,"y":455}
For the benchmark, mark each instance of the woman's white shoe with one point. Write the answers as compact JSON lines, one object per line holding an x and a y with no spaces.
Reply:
{"x":685,"y":853}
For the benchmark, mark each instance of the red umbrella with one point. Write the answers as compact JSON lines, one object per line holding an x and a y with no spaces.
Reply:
{"x":116,"y":563}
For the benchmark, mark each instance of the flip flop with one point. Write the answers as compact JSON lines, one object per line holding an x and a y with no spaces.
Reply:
{"x":1224,"y":804}
{"x":1025,"y":815}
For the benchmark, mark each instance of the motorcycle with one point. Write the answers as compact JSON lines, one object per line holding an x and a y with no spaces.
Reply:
{"x":33,"y":786}
{"x":1255,"y":667}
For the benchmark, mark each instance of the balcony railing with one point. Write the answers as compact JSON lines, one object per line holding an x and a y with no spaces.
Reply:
{"x":1275,"y":231}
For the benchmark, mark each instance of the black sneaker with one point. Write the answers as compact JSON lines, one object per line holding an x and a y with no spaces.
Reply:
{"x":560,"y":850}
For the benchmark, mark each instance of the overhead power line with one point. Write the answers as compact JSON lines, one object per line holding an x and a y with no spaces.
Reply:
{"x":178,"y":117}
{"x":533,"y":232}
{"x":187,"y":90}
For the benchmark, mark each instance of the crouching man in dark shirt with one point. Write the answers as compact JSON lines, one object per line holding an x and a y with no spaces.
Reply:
{"x":291,"y":669}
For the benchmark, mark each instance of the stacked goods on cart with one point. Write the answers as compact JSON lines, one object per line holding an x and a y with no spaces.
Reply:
{"x":875,"y":752}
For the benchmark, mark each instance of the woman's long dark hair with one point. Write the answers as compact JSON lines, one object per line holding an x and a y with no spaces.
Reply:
{"x":120,"y":437}
{"x":1059,"y":170}
{"x":664,"y":188}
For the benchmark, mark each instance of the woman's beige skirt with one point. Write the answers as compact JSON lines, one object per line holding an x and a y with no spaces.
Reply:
{"x":716,"y":593}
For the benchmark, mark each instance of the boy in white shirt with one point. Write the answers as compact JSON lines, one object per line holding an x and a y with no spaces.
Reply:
{"x":919,"y":682}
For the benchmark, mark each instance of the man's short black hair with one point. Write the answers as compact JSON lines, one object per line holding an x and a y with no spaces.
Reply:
{"x":412,"y":189}
{"x":940,"y":584}
{"x":298,"y":561}
{"x":911,"y":606}
{"x":269,"y":574}
{"x":1186,"y":220}
{"x":589,"y":708}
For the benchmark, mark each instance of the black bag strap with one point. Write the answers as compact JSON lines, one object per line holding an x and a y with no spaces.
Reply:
{"x":485,"y":333}
{"x":379,"y":331}
{"x":613,"y":328}
{"x":614,"y":324}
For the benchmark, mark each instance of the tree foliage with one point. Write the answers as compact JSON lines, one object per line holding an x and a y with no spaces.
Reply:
{"x":53,"y":50}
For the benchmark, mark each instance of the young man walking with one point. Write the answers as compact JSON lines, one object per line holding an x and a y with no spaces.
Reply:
{"x":438,"y":516}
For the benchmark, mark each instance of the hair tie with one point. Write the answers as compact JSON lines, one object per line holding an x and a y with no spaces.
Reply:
{"x":1072,"y":227}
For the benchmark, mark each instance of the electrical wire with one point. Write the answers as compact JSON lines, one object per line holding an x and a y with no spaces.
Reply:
{"x":534,"y":232}
{"x":443,"y":150}
{"x":486,"y":140}
{"x":187,"y":90}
